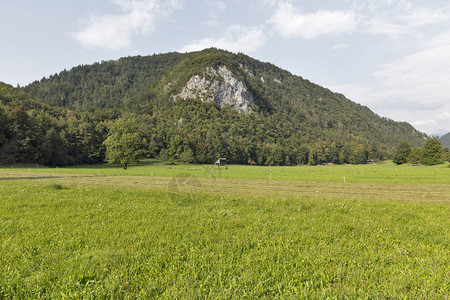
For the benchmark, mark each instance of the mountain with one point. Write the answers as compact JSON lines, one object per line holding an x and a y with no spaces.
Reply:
{"x":215,"y":103}
{"x":445,"y":139}
{"x":439,"y":132}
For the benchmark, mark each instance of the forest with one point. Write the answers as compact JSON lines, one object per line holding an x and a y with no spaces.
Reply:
{"x":123,"y":110}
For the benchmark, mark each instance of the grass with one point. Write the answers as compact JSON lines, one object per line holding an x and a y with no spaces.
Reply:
{"x":72,"y":233}
{"x":375,"y":173}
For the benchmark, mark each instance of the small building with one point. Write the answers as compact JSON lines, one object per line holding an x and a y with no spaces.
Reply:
{"x":220,"y":162}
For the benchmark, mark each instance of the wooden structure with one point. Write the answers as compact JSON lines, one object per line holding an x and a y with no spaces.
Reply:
{"x":220,"y":162}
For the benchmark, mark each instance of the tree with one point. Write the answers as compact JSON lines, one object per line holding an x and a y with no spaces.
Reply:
{"x":345,"y":154}
{"x":360,"y":154}
{"x":22,"y":145}
{"x":187,"y":156}
{"x":3,"y":127}
{"x":302,"y":155}
{"x":446,"y":154}
{"x":334,"y":153}
{"x":402,"y":153}
{"x":84,"y":136}
{"x":276,"y":155}
{"x":311,"y":157}
{"x":177,"y":146}
{"x":432,"y":152}
{"x":415,"y":156}
{"x":124,"y":144}
{"x":53,"y":150}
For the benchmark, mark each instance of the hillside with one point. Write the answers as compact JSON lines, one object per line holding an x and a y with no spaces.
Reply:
{"x":215,"y":103}
{"x":445,"y":139}
{"x":33,"y":131}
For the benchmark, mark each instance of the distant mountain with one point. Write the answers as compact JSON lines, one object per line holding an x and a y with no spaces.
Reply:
{"x":215,"y":103}
{"x":439,"y":132}
{"x":445,"y":139}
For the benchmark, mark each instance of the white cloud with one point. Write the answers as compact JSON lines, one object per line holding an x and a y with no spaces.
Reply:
{"x":441,"y":40}
{"x":371,"y":6}
{"x":269,"y":3}
{"x":419,"y":76}
{"x":309,"y":26}
{"x":404,"y":20}
{"x":426,"y":117}
{"x":414,"y":88}
{"x":236,"y":39}
{"x":221,"y":5}
{"x":417,"y":85}
{"x":114,"y":32}
{"x":355,"y":92}
{"x":336,"y":48}
{"x":380,"y":25}
{"x":424,"y":16}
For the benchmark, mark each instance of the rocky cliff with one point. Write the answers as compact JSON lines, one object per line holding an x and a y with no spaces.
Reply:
{"x":221,"y":86}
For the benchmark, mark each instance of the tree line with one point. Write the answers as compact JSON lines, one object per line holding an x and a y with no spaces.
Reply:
{"x":31,"y":131}
{"x":432,"y":153}
{"x":188,"y":131}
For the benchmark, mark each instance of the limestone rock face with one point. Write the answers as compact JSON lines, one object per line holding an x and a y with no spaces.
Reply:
{"x":220,"y":86}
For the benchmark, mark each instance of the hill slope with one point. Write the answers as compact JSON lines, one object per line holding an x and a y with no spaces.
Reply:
{"x":224,"y":104}
{"x":445,"y":139}
{"x":32,"y":131}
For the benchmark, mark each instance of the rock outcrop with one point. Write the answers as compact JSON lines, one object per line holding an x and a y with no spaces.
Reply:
{"x":220,"y":86}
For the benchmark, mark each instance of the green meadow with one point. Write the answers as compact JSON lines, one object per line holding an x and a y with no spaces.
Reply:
{"x":375,"y":173}
{"x":193,"y":231}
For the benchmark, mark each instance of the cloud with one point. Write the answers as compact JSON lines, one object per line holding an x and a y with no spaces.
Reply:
{"x":115,"y":32}
{"x":336,"y":48}
{"x":424,"y":16}
{"x":380,"y":25}
{"x":236,"y":39}
{"x":418,"y":85}
{"x":426,"y":117}
{"x":269,"y":3}
{"x":309,"y":26}
{"x":377,"y":5}
{"x":355,"y":92}
{"x":405,"y":20}
{"x":419,"y":76}
{"x":221,"y":5}
{"x":414,"y":88}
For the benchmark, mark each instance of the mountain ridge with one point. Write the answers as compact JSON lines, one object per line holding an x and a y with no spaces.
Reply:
{"x":292,"y":120}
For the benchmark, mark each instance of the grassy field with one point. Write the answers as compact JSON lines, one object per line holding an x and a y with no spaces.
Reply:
{"x":190,"y":231}
{"x":375,"y":173}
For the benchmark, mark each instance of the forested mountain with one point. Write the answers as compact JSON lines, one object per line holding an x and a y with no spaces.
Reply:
{"x":33,"y":131}
{"x":203,"y":105}
{"x":445,"y":139}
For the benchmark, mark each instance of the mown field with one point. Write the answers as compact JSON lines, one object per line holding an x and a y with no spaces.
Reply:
{"x":192,"y":231}
{"x":376,"y":173}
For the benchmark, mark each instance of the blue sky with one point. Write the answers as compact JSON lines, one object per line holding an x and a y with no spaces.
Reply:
{"x":390,"y":55}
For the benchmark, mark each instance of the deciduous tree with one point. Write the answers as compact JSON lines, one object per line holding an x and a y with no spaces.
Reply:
{"x":124,"y":144}
{"x":415,"y":156}
{"x":402,"y":152}
{"x":432,"y":152}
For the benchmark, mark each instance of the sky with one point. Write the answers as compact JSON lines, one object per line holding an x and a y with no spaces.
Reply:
{"x":392,"y":56}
